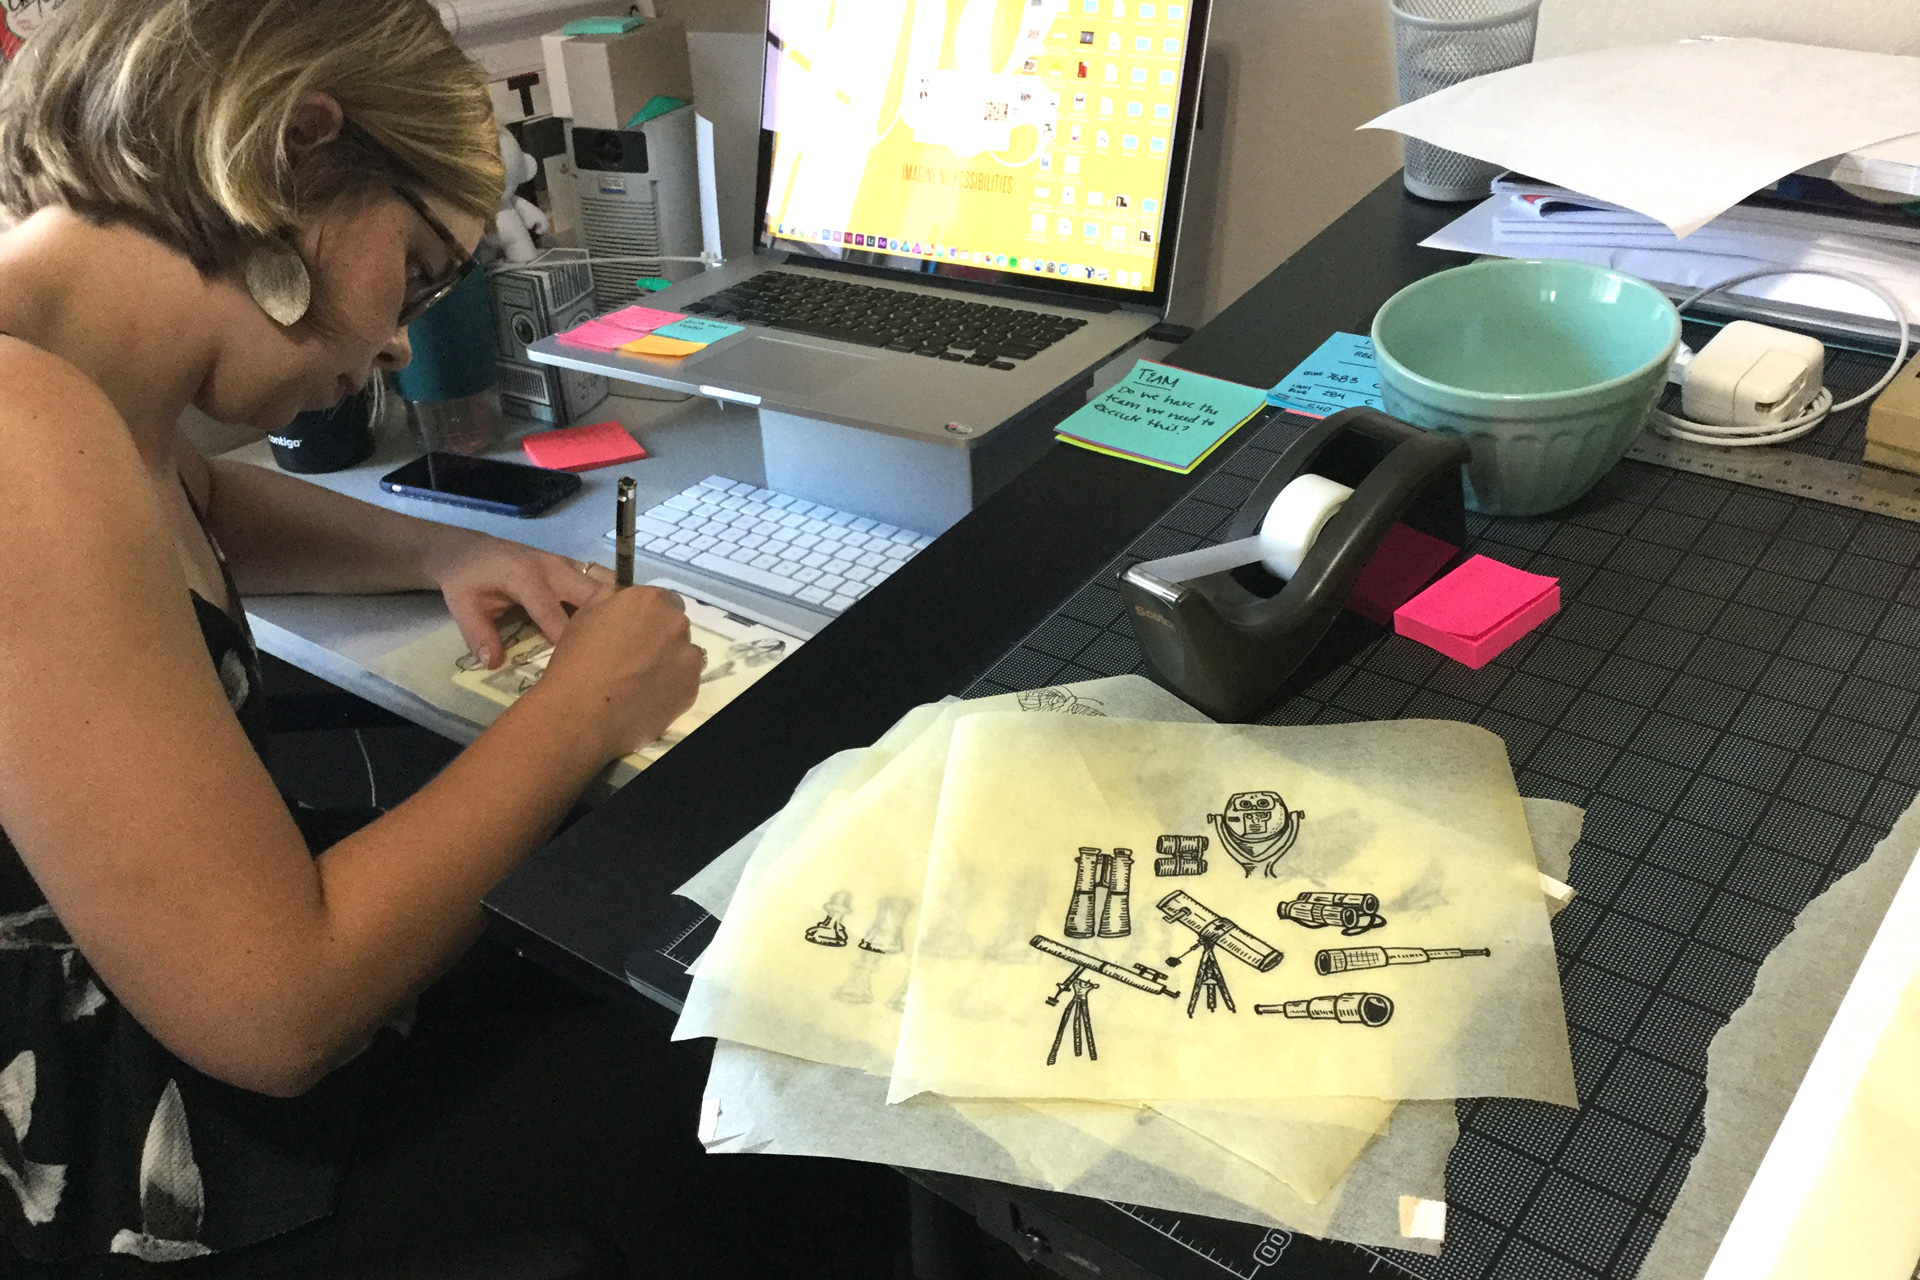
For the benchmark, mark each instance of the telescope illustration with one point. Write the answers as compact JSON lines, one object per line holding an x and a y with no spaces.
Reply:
{"x":1214,"y":931}
{"x":1078,"y":1014}
{"x":1357,"y":1008}
{"x":1351,"y":958}
{"x":1351,"y":913}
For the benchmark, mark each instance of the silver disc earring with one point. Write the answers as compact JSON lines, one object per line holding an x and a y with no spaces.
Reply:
{"x":278,"y":281}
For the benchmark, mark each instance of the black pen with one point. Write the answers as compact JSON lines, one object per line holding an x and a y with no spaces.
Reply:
{"x":623,"y":534}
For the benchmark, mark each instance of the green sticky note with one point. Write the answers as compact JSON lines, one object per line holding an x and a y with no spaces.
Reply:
{"x":696,"y":329}
{"x":1162,"y":416}
{"x":658,"y":105}
{"x":652,"y":284}
{"x":601,"y":26}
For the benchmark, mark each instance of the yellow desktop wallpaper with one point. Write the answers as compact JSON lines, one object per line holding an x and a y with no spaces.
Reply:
{"x":1023,"y":135}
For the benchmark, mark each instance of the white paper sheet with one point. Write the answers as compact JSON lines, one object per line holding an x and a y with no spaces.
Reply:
{"x":1679,"y":132}
{"x":1757,"y":1061}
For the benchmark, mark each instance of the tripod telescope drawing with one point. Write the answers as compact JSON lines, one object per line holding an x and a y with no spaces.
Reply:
{"x":1214,"y":932}
{"x":1079,"y":1014}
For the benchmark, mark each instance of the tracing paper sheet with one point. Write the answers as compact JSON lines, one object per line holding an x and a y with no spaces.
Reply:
{"x":811,"y":959}
{"x":1422,"y":816}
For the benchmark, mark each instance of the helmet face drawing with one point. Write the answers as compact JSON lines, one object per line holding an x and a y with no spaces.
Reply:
{"x":1256,"y":827}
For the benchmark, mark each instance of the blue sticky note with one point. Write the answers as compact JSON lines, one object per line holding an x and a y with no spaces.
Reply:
{"x":1338,"y":375}
{"x":696,"y":329}
{"x":1162,"y":416}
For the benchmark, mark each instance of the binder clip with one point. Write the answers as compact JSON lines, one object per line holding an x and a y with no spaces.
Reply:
{"x":1359,"y":514}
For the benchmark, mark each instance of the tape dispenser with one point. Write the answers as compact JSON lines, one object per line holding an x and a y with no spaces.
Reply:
{"x":1358,"y":514}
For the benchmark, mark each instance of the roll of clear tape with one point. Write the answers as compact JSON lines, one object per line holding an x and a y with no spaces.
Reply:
{"x":1298,"y":513}
{"x":1295,"y":519}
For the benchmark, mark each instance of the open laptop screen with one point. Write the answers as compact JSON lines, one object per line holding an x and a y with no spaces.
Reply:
{"x":1033,"y":142}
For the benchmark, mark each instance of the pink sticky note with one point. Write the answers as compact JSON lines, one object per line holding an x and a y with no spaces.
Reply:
{"x":1406,"y":561}
{"x":597,"y":335}
{"x":1478,"y":610}
{"x":639,"y":319}
{"x":598,"y":444}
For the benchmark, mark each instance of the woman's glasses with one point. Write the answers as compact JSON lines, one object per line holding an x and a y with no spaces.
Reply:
{"x":423,"y":294}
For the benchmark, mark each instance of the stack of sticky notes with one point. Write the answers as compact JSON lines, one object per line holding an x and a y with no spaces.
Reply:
{"x":1162,"y":416}
{"x":597,"y":444}
{"x":1478,"y":610}
{"x":681,"y":338}
{"x":1338,"y":375}
{"x":618,"y":328}
{"x":644,"y":331}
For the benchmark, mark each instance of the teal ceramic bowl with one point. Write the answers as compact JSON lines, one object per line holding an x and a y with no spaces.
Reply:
{"x":1545,"y":368}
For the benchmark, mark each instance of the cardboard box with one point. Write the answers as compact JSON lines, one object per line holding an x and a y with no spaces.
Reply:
{"x":609,"y":78}
{"x":1893,"y":422}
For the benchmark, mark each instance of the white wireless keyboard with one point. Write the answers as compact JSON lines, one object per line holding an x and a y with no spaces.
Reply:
{"x":775,"y":543}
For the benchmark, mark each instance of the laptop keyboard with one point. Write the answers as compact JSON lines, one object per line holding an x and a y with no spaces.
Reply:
{"x":927,"y":324}
{"x":781,"y":545}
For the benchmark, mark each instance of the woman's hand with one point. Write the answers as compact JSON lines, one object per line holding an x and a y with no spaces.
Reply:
{"x":483,"y":577}
{"x":626,"y":669}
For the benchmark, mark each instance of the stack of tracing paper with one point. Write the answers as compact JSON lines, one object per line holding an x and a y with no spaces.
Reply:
{"x":1082,"y":939}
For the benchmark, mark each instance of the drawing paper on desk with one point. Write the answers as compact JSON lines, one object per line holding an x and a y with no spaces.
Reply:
{"x":738,"y":652}
{"x":1422,"y":814}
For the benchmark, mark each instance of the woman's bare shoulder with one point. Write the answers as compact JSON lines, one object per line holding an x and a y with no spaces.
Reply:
{"x":58,"y":429}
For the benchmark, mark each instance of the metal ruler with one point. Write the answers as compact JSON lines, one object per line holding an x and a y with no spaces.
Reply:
{"x":1247,"y":1252}
{"x":1845,"y":484}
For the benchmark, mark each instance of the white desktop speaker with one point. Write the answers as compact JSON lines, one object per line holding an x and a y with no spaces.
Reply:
{"x":631,"y":193}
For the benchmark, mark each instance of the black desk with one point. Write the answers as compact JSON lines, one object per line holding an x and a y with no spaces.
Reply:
{"x":1731,"y":688}
{"x":584,"y":902}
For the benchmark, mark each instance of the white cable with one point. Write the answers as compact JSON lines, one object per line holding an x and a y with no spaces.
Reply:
{"x":1678,"y":428}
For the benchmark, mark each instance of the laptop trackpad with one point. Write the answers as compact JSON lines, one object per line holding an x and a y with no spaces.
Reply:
{"x":779,"y":364}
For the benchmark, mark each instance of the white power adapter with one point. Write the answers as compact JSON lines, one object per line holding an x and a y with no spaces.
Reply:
{"x":1756,"y":385}
{"x":1753,"y":376}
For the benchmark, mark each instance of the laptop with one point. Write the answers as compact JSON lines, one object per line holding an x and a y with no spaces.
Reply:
{"x":963,"y":209}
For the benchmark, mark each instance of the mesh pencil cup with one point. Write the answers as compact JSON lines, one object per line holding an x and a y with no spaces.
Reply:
{"x":1438,"y":43}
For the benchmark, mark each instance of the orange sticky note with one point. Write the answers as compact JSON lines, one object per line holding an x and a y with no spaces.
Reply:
{"x":655,"y":345}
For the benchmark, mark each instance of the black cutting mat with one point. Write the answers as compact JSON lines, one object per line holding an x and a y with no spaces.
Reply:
{"x":1729,"y":689}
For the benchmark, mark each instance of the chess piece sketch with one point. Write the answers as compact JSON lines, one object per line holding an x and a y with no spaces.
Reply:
{"x":1078,"y":1015}
{"x":898,"y":1001}
{"x":1352,"y":913}
{"x":1348,"y":959}
{"x":1059,"y":701}
{"x":1116,"y":913}
{"x":832,"y":931}
{"x":1214,"y":931}
{"x":757,"y":653}
{"x":1356,"y":1008}
{"x":1088,"y":874}
{"x":887,"y":933}
{"x":1256,"y":828}
{"x":858,"y":988}
{"x":1180,"y":856}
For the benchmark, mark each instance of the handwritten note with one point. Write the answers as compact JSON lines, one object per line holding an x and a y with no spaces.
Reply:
{"x":696,"y":329}
{"x":1162,"y":416}
{"x":1338,"y":375}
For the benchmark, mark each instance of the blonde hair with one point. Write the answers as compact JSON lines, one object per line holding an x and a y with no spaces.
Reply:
{"x":172,"y":115}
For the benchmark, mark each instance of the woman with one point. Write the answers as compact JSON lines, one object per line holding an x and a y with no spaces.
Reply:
{"x":235,"y":204}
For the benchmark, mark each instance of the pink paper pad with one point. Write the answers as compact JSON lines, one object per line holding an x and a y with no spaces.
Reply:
{"x":1476,"y":611}
{"x":597,"y":335}
{"x":1406,"y":561}
{"x":640,"y":319}
{"x":598,"y":444}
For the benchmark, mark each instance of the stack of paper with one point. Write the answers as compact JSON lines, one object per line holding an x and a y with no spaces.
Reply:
{"x":1081,"y":939}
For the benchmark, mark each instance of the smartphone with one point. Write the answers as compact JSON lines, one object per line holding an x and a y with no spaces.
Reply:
{"x":485,"y":484}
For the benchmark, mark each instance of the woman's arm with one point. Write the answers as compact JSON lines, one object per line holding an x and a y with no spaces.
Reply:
{"x":282,"y":534}
{"x":136,"y":802}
